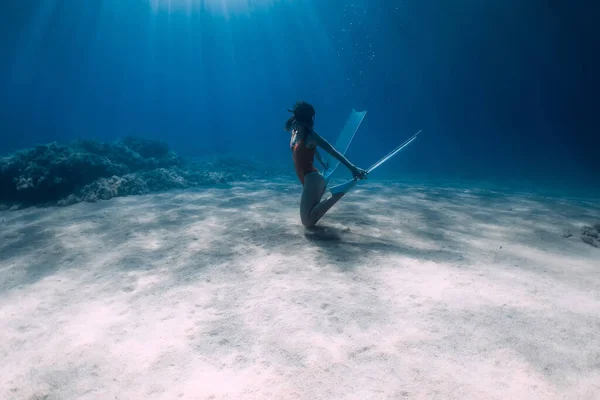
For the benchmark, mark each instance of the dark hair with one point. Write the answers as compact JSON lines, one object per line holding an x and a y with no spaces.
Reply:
{"x":303,"y":114}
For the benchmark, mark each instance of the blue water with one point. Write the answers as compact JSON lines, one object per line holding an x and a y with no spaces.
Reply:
{"x":503,"y":90}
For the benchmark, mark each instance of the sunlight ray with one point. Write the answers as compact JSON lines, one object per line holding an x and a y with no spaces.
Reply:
{"x":222,"y":7}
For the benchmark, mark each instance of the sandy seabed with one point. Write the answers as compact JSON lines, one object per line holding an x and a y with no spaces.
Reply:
{"x":403,"y":292}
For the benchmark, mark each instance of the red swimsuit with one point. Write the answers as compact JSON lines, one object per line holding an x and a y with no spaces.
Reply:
{"x":303,"y":159}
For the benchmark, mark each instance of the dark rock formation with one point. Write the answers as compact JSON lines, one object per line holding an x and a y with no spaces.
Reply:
{"x":89,"y":170}
{"x":147,"y":148}
{"x":49,"y":172}
{"x":591,"y":235}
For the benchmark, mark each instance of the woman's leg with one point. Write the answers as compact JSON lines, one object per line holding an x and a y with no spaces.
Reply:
{"x":312,"y":208}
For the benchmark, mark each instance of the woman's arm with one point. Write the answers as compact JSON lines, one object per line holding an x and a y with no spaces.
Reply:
{"x":319,"y":141}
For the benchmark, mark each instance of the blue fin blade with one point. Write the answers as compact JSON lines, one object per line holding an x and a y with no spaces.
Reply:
{"x":346,"y":186}
{"x":343,"y":141}
{"x":393,"y":152}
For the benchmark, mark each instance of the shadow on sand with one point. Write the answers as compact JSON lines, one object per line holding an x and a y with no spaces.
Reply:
{"x":188,"y":230}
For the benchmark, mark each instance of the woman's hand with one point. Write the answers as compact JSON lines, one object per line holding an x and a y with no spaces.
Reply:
{"x":358,"y":173}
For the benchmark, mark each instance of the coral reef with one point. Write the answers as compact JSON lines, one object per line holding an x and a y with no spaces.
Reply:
{"x":591,"y":234}
{"x":147,"y":148}
{"x":89,"y":170}
{"x":48,"y":172}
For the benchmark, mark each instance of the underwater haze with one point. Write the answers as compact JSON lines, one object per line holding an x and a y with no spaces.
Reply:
{"x":162,"y":236}
{"x":502,"y":89}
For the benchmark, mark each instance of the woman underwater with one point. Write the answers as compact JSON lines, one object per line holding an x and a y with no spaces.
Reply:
{"x":304,"y":144}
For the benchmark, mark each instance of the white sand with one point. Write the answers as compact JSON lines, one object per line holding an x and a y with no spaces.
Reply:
{"x":408,"y":292}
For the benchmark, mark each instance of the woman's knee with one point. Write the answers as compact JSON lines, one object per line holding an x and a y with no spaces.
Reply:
{"x":306,"y":220}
